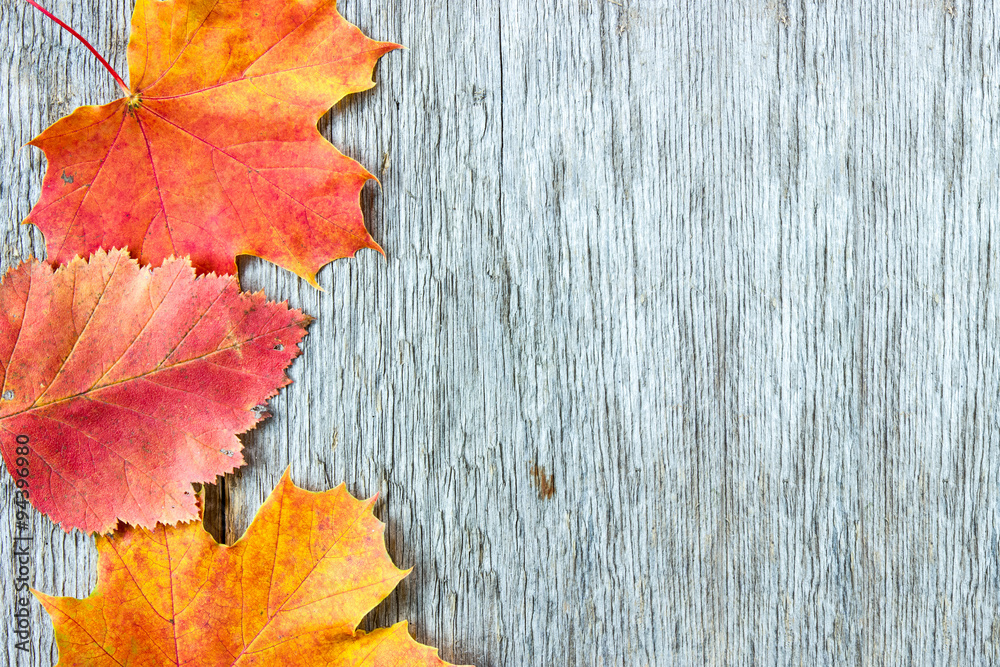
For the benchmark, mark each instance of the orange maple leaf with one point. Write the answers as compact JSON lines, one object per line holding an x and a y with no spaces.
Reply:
{"x":214,"y":151}
{"x":291,"y":591}
{"x":123,"y":385}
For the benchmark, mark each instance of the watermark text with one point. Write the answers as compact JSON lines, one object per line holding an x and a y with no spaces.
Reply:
{"x":22,"y":540}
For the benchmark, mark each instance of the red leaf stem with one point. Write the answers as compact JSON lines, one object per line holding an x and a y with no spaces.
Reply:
{"x":107,"y":66}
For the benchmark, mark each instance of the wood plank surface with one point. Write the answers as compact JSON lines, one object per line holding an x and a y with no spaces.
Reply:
{"x":685,"y":349}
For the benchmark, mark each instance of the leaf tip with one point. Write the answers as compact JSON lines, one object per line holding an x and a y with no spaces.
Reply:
{"x":311,"y":279}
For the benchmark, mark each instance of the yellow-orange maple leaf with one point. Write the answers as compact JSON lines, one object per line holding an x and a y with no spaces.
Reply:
{"x":290,"y":592}
{"x":214,"y":151}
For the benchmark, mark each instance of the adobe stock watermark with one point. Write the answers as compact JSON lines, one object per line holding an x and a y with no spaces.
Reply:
{"x":22,"y":631}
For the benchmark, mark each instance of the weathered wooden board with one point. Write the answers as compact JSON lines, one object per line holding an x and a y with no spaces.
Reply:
{"x":685,"y":350}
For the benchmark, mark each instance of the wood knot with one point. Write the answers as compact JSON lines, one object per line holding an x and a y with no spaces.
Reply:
{"x":546,"y":484}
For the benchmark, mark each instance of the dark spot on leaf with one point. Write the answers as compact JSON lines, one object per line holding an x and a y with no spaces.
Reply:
{"x":279,"y":347}
{"x":67,"y":178}
{"x":546,"y":484}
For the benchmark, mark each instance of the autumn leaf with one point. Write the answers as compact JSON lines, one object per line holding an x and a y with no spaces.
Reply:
{"x":290,"y":592}
{"x":123,"y":385}
{"x":214,"y":151}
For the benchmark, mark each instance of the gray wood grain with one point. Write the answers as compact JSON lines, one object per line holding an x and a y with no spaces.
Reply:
{"x":685,"y":349}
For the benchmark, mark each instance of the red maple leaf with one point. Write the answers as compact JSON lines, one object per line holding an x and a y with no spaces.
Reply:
{"x":123,"y":385}
{"x":214,"y":151}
